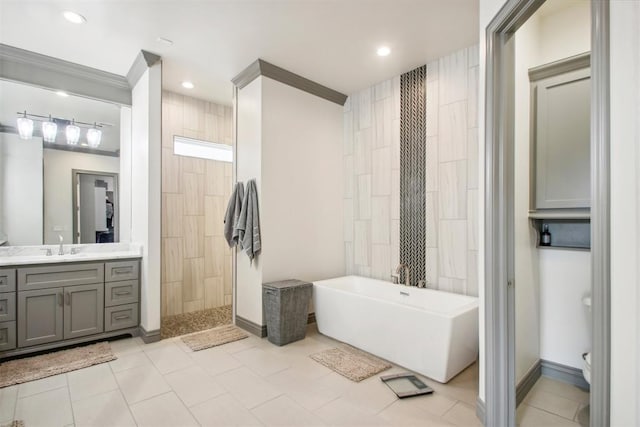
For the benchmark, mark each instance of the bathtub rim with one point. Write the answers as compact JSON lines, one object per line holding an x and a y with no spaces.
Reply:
{"x":449,"y":314}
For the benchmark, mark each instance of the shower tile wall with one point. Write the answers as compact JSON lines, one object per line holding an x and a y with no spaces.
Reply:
{"x":372,"y":180}
{"x":372,"y":160}
{"x":196,"y":262}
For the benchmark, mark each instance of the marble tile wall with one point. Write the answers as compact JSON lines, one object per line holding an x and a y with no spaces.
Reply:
{"x":372,"y":165}
{"x":196,"y":261}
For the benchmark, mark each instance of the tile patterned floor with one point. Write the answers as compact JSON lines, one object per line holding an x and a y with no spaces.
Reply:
{"x":247,"y":382}
{"x":552,"y":403}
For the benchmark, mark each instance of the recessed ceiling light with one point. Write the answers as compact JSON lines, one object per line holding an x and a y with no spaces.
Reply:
{"x":74,"y":17}
{"x":164,"y":41}
{"x":62,"y":93}
{"x":383,"y":51}
{"x":187,"y":85}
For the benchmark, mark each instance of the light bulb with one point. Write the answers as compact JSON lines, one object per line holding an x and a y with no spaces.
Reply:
{"x":94,"y":135}
{"x":49,"y":130}
{"x":73,"y":133}
{"x":25,"y":127}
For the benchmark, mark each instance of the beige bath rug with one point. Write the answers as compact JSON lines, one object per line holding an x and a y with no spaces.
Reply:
{"x":214,"y":337}
{"x":20,"y":371}
{"x":351,"y":363}
{"x":14,"y":423}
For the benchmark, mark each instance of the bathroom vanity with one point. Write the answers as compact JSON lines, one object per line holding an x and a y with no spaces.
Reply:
{"x":49,"y":301}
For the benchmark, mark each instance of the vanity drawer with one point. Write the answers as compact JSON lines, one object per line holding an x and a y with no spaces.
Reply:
{"x":120,"y":317}
{"x":117,"y":293}
{"x":55,"y":276}
{"x":7,"y":306}
{"x":7,"y":279}
{"x":7,"y":336}
{"x":121,"y":270}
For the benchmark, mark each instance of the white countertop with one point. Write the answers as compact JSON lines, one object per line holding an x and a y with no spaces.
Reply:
{"x":25,"y":255}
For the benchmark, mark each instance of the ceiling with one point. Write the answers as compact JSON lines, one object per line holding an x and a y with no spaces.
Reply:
{"x":16,"y":97}
{"x":332,"y":42}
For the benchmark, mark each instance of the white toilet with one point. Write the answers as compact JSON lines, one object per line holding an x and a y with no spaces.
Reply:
{"x":586,"y":357}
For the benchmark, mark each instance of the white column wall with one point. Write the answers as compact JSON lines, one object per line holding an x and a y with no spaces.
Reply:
{"x":145,"y":189}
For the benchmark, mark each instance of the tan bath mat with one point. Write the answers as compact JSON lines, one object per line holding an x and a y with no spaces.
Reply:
{"x":214,"y":337}
{"x":351,"y":363}
{"x":20,"y":371}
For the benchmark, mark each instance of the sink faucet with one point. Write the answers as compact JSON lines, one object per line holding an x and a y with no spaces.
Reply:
{"x":61,"y":250}
{"x":407,"y":274}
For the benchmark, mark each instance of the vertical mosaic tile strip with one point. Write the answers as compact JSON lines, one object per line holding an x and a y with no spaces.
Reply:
{"x":412,"y":172}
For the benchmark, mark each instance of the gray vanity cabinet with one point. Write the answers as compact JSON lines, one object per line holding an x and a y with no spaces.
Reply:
{"x":54,"y":305}
{"x":40,"y":316}
{"x":83,"y":310}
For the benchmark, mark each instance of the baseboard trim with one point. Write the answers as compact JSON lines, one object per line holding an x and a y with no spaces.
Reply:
{"x":249,"y":326}
{"x":527,"y":382}
{"x":566,"y":374}
{"x":481,"y":410}
{"x":149,"y":336}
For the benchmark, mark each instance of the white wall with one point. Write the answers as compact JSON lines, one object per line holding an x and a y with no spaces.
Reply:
{"x":145,"y":189}
{"x":302,"y":185}
{"x":249,"y":165}
{"x":291,"y":143}
{"x":20,"y":190}
{"x":625,"y":213}
{"x":58,"y":188}
{"x":565,"y":279}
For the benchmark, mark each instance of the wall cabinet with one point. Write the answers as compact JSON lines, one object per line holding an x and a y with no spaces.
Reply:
{"x":560,"y":173}
{"x":63,"y":304}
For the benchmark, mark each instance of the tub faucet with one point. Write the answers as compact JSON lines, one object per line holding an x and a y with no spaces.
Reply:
{"x":407,"y":274}
{"x":61,"y":250}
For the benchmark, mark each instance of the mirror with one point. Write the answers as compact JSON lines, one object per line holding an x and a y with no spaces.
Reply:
{"x":63,"y":179}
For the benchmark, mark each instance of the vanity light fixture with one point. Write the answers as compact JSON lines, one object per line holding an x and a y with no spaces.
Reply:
{"x":49,"y":130}
{"x":94,"y":135}
{"x":25,"y":126}
{"x":187,"y":85}
{"x":383,"y":51}
{"x":74,"y":17}
{"x":73,"y":133}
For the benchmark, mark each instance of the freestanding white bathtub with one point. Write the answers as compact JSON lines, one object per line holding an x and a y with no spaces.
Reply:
{"x":433,"y":333}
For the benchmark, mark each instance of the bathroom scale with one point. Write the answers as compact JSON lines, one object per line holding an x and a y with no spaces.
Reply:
{"x":406,"y":385}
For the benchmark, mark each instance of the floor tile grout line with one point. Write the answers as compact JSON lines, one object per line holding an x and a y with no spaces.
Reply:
{"x":552,"y":413}
{"x":73,"y":415}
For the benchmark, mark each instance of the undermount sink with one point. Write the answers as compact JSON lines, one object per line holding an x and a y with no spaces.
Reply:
{"x":20,"y":255}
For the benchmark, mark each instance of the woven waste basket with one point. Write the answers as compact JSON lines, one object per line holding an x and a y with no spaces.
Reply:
{"x":286,"y":308}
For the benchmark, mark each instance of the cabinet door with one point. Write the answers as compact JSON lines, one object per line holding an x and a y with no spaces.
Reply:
{"x":83,"y":310}
{"x":562,"y":129}
{"x":40,"y":316}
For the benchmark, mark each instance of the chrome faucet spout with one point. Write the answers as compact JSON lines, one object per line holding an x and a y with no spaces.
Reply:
{"x":61,"y":250}
{"x":407,"y":273}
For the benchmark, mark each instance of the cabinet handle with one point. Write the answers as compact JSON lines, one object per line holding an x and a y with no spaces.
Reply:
{"x":60,"y":299}
{"x":3,"y":280}
{"x":120,"y":293}
{"x":67,"y":298}
{"x":122,"y":270}
{"x":122,"y":317}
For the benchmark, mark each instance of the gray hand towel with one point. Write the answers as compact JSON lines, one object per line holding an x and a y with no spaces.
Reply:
{"x":232,"y":215}
{"x":249,"y":222}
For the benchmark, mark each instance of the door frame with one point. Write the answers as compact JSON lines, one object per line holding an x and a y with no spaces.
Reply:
{"x":500,"y":403}
{"x":75,"y":179}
